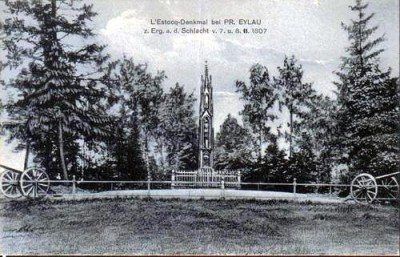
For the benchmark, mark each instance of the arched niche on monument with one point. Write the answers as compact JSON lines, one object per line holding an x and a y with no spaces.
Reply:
{"x":206,"y":159}
{"x":206,"y":131}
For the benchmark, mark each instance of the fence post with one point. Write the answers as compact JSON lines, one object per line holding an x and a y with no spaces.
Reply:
{"x":73,"y":185}
{"x":294,"y":187}
{"x":222,"y":188}
{"x":239,"y":179}
{"x":148,"y":184}
{"x":173,"y":179}
{"x":195,"y":179}
{"x":208,"y":174}
{"x":330,"y":190}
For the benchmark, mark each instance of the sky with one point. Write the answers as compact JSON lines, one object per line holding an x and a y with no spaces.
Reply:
{"x":309,"y":29}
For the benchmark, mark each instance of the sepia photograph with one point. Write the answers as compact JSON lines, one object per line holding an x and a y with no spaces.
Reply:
{"x":199,"y":127}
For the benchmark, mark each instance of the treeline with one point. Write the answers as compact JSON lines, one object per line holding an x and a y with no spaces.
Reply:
{"x":253,"y":147}
{"x":356,"y":132}
{"x":82,"y":113}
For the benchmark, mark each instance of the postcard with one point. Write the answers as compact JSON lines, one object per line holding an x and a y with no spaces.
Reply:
{"x":199,"y":127}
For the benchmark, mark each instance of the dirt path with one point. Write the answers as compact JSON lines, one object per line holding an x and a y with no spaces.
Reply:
{"x":205,"y":194}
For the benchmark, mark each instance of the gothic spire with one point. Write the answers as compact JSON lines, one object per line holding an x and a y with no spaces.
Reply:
{"x":206,"y":70}
{"x":206,"y":129}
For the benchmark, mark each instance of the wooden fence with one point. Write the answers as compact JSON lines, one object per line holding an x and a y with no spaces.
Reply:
{"x":205,"y":177}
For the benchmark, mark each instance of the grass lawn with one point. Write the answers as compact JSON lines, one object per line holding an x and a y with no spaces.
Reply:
{"x":134,"y":226}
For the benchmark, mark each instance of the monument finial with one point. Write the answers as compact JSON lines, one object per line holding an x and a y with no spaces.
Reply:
{"x":206,"y":67}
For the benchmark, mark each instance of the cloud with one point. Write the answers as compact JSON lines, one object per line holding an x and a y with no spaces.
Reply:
{"x":125,"y":34}
{"x":226,"y":103}
{"x":9,"y":157}
{"x":316,"y":61}
{"x":224,"y":94}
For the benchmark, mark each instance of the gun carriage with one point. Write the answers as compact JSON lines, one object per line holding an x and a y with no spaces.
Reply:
{"x":32,"y":182}
{"x":365,"y":187}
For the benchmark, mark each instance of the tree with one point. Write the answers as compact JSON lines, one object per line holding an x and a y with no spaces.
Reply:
{"x":274,"y":162}
{"x":303,"y":167}
{"x":293,"y":93}
{"x":272,"y":168}
{"x":128,"y":154}
{"x":58,"y":102}
{"x":234,"y":146}
{"x":368,"y":114}
{"x":178,"y":128}
{"x":137,"y":99}
{"x":315,"y":130}
{"x":259,"y":97}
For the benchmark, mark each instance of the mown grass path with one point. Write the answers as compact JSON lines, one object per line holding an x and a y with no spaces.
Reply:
{"x":196,"y":227}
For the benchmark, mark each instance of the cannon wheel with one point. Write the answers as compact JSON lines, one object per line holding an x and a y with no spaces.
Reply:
{"x":34,"y":183}
{"x":364,"y":188}
{"x":9,"y":184}
{"x":390,"y":187}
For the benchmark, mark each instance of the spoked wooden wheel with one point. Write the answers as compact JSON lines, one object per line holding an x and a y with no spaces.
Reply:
{"x":388,"y":188}
{"x":34,"y":183}
{"x":364,"y":188}
{"x":9,"y":184}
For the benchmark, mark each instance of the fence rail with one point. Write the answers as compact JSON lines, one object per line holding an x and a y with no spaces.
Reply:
{"x":149,"y":185}
{"x":292,"y":187}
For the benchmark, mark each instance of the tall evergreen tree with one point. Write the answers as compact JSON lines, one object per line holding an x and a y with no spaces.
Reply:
{"x":58,"y":102}
{"x":368,"y":115}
